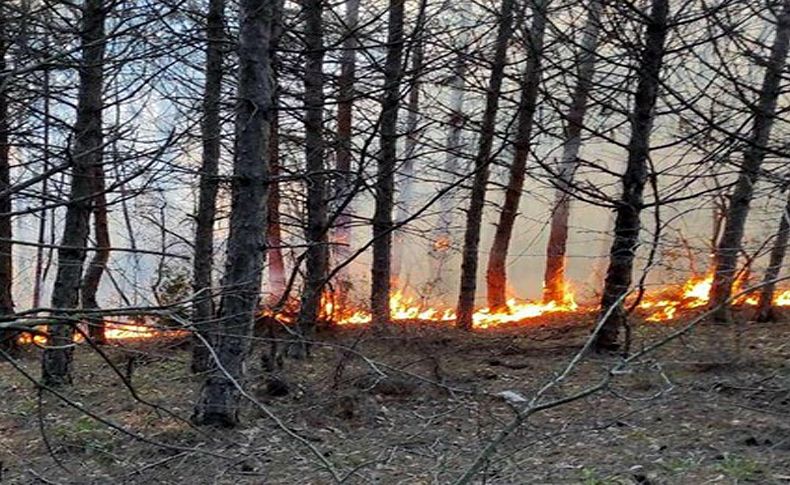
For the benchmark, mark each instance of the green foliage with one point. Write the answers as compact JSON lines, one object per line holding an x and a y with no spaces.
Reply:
{"x":739,"y":468}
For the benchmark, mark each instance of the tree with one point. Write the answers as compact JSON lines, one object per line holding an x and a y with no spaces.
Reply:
{"x":474,"y":215}
{"x":101,"y":255}
{"x":629,"y":207}
{"x":274,"y":238}
{"x":315,"y":231}
{"x":764,"y":311}
{"x":86,"y":155}
{"x":219,"y":401}
{"x":343,"y":148}
{"x":496,"y":274}
{"x":406,"y":193}
{"x":210,"y":134}
{"x":385,"y":171}
{"x":726,"y":256}
{"x":554,"y":276}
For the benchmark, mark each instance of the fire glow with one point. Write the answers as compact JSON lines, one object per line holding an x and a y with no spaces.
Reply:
{"x":113,"y":332}
{"x":405,"y":308}
{"x":695,"y":293}
{"x":665,"y":304}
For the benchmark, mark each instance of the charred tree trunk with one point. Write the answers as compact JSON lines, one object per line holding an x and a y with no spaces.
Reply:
{"x":726,"y":258}
{"x":220,"y":398}
{"x":315,"y":233}
{"x":98,"y":264}
{"x":496,"y":274}
{"x":385,"y":182}
{"x":412,"y":121}
{"x":7,"y":337}
{"x":474,"y":215}
{"x":86,"y":155}
{"x":343,"y":153}
{"x":629,"y":207}
{"x":211,"y":133}
{"x":765,"y":304}
{"x":554,"y":276}
{"x":274,"y":239}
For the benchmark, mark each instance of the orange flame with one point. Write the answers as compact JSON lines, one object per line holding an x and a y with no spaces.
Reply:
{"x":695,"y":293}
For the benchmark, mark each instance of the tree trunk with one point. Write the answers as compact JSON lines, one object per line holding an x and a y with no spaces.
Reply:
{"x":211,"y":133}
{"x":443,"y":237}
{"x":407,"y":170}
{"x":554,"y":276}
{"x":343,"y":152}
{"x":729,"y":247}
{"x":385,"y":182}
{"x":98,"y":265}
{"x":765,"y":304}
{"x":315,"y":233}
{"x":474,"y":215}
{"x":629,"y":207}
{"x":274,"y":239}
{"x":86,"y":155}
{"x":220,"y":399}
{"x":7,"y":337}
{"x":496,"y":274}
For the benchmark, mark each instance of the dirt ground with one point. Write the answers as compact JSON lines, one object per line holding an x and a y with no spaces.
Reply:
{"x":418,"y":405}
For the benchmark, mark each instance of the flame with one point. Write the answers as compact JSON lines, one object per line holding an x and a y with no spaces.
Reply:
{"x":113,"y":331}
{"x":695,"y":293}
{"x":406,"y":308}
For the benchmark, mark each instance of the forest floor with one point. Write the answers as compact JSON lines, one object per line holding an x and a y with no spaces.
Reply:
{"x":418,"y":405}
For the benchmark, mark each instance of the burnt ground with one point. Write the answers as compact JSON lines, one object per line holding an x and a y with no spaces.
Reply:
{"x":417,"y":405}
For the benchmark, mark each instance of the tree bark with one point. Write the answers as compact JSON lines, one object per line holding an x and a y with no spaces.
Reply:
{"x":315,"y":232}
{"x":554,"y":276}
{"x":98,"y":264}
{"x":211,"y":133}
{"x":343,"y":151}
{"x":219,"y":401}
{"x":274,"y":239}
{"x":407,"y":170}
{"x":8,"y":338}
{"x":86,"y":155}
{"x":385,"y":182}
{"x":765,"y":304}
{"x":496,"y":274}
{"x":726,"y":258}
{"x":474,"y":215}
{"x":629,"y":207}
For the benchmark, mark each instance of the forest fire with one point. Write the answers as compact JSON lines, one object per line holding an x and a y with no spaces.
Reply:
{"x":113,"y":332}
{"x":665,"y":304}
{"x":405,"y":308}
{"x":694,"y":293}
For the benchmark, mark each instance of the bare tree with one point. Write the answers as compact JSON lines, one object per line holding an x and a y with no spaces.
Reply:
{"x":726,"y":257}
{"x":7,"y":337}
{"x":387,"y":162}
{"x":764,"y":311}
{"x":315,"y":232}
{"x":211,"y":132}
{"x":101,"y":255}
{"x":274,"y":237}
{"x":554,"y":277}
{"x":86,"y":155}
{"x":629,"y":207}
{"x":220,"y":397}
{"x":474,"y":215}
{"x":406,"y":193}
{"x":496,"y":274}
{"x":343,"y":150}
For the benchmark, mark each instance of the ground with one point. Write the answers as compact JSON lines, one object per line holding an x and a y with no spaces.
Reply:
{"x":417,"y":405}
